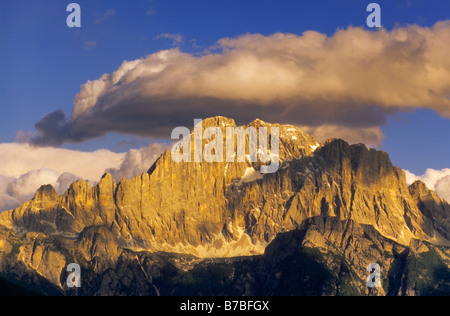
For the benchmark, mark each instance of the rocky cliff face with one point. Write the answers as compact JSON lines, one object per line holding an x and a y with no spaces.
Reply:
{"x":333,"y":205}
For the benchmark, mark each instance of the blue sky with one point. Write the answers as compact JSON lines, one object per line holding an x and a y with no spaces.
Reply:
{"x":43,"y":63}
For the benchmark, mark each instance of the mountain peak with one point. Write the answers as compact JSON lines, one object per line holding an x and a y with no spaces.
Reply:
{"x":218,"y":121}
{"x":418,"y":187}
{"x":431,"y":206}
{"x":227,"y":209}
{"x":46,"y":193}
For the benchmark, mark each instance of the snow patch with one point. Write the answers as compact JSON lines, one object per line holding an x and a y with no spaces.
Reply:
{"x":314,"y":147}
{"x":250,"y":175}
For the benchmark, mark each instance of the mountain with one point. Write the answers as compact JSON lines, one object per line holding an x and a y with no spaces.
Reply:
{"x":310,"y":228}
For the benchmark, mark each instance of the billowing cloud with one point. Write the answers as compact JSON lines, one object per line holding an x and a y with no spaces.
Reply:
{"x":442,"y":187}
{"x":17,"y":159}
{"x":349,"y":81}
{"x":24,"y":168}
{"x":138,"y":161}
{"x":15,"y":191}
{"x":436,"y":180}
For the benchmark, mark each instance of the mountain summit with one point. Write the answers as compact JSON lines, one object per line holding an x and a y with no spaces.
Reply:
{"x":335,"y":206}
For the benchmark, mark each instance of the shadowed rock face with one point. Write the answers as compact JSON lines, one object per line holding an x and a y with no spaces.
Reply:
{"x":432,"y":207}
{"x":213,"y":210}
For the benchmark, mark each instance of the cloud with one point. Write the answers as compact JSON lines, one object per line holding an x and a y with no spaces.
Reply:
{"x":410,"y":177}
{"x":177,"y":39}
{"x":371,"y":136}
{"x":15,"y":191}
{"x":436,"y":180}
{"x":17,"y":159}
{"x":100,"y":18}
{"x":442,"y":187}
{"x":6,"y":200}
{"x":350,"y":81}
{"x":24,"y":168}
{"x":138,"y":161}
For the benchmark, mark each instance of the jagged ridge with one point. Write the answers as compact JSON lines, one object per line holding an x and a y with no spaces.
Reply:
{"x":206,"y":210}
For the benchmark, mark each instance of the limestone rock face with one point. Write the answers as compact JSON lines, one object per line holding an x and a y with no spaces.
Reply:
{"x":431,"y":206}
{"x":338,"y":180}
{"x":37,"y":255}
{"x":334,"y":193}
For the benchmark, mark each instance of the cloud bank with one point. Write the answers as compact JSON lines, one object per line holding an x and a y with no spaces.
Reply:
{"x":24,"y":168}
{"x":17,"y":159}
{"x":137,"y":161}
{"x":351,"y":80}
{"x":16,"y":191}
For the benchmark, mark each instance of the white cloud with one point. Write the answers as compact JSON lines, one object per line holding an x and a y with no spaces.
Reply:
{"x":443,"y":187}
{"x":17,"y":159}
{"x":138,"y":161}
{"x":436,"y":180}
{"x":410,"y":177}
{"x":92,"y":90}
